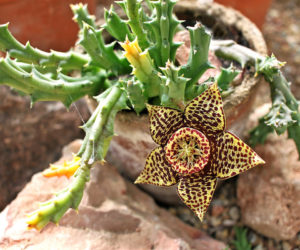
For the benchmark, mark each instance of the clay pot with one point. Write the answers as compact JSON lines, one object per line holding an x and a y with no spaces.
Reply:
{"x":129,"y":149}
{"x":47,"y":24}
{"x":255,"y":10}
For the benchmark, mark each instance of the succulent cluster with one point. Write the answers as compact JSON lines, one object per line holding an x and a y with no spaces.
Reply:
{"x":136,"y":68}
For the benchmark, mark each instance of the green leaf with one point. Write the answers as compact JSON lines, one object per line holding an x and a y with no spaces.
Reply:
{"x":241,"y":242}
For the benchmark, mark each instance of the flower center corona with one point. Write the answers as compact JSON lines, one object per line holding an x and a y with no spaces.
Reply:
{"x":188,"y":151}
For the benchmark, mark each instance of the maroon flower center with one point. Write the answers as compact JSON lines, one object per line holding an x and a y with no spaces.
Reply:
{"x":187,"y":151}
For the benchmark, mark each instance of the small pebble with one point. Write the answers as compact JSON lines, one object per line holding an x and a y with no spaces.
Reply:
{"x":172,"y":210}
{"x":217,"y":210}
{"x":259,"y":247}
{"x":222,"y":234}
{"x":286,"y":246}
{"x":234,"y":213}
{"x":253,"y":238}
{"x":205,"y":226}
{"x":229,"y":223}
{"x":215,"y":221}
{"x":270,"y":244}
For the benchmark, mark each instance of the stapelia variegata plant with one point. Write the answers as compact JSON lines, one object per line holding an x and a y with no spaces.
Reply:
{"x":194,"y":150}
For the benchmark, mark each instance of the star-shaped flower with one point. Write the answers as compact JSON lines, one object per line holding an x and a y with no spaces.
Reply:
{"x":195,"y":150}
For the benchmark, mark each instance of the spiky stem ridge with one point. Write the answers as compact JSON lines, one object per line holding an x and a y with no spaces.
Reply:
{"x":42,"y":88}
{"x":66,"y":61}
{"x":134,"y":12}
{"x":198,"y":59}
{"x":55,"y":208}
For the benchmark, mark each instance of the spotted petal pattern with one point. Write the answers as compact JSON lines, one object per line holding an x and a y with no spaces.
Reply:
{"x":196,"y":191}
{"x":195,"y":150}
{"x":163,"y":123}
{"x":157,"y":171}
{"x":205,"y":112}
{"x":231,"y":156}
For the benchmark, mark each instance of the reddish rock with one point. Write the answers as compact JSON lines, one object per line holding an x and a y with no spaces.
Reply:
{"x":269,"y":196}
{"x":30,"y":137}
{"x":114,"y":214}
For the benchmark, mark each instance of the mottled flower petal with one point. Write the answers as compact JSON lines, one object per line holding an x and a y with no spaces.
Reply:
{"x":196,"y":191}
{"x":231,"y":156}
{"x":163,"y":123}
{"x":205,"y":112}
{"x":157,"y":171}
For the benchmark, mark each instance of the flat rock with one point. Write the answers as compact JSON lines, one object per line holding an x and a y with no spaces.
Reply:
{"x":30,"y":137}
{"x":114,"y":214}
{"x":269,"y":196}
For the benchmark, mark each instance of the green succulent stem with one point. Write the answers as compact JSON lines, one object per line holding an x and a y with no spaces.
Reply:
{"x":229,"y":49}
{"x":91,"y":39}
{"x":163,"y":26}
{"x":99,"y":128}
{"x":284,"y":113}
{"x":198,"y":59}
{"x":99,"y":131}
{"x":172,"y":87}
{"x":287,"y":116}
{"x":102,"y":55}
{"x":82,"y":15}
{"x":280,"y":83}
{"x":136,"y":94}
{"x":115,"y":26}
{"x":26,"y":53}
{"x":54,"y":209}
{"x":42,"y":88}
{"x":225,"y":78}
{"x":134,"y":13}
